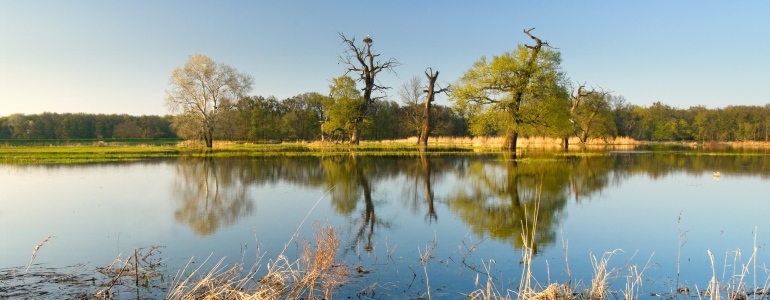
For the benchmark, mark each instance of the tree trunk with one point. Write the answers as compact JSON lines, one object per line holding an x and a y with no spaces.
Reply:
{"x":428,"y":99}
{"x":208,"y":136}
{"x":509,"y":143}
{"x":565,"y":142}
{"x":355,"y":137}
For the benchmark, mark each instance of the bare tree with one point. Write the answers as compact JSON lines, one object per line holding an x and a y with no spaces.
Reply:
{"x":431,"y":93}
{"x":411,"y":93}
{"x":202,"y":89}
{"x":362,"y":60}
{"x":575,"y":97}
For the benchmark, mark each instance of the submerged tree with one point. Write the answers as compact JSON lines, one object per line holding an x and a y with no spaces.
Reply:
{"x":201,"y":90}
{"x":515,"y":92}
{"x":361,"y":59}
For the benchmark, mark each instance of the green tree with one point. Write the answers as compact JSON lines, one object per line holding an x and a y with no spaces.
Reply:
{"x":593,"y":117}
{"x":265,"y":119}
{"x":343,"y":107}
{"x":203,"y":88}
{"x":520,"y":91}
{"x":303,"y":115}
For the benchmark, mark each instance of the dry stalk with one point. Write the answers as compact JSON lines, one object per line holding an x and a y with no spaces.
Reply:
{"x":425,"y":258}
{"x":713,"y":288}
{"x":526,"y":288}
{"x":599,"y":283}
{"x":34,"y":253}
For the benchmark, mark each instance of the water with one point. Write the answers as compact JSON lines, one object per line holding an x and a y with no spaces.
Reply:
{"x":467,"y":211}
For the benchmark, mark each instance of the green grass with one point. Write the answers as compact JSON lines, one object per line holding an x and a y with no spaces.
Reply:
{"x":82,"y":154}
{"x":95,"y":152}
{"x":71,"y":142}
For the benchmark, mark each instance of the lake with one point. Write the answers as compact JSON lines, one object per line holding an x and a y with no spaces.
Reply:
{"x":649,"y":212}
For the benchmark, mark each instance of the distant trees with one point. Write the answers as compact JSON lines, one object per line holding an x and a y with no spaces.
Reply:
{"x":200,"y":91}
{"x":84,"y":126}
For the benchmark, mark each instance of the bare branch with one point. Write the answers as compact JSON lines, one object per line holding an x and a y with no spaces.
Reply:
{"x":538,"y":43}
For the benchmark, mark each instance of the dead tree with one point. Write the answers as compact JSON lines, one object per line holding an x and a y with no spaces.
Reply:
{"x":575,"y":98}
{"x":360,"y":59}
{"x":426,"y":126}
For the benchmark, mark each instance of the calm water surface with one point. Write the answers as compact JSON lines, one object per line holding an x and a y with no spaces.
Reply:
{"x":467,"y":210}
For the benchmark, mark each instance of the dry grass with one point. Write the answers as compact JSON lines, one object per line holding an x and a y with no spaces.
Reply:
{"x":522,"y":142}
{"x":34,"y":252}
{"x":314,"y":275}
{"x":600,"y":282}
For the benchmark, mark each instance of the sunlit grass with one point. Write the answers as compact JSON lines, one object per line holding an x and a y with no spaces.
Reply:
{"x":88,"y":151}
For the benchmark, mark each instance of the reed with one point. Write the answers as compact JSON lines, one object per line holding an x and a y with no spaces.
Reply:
{"x":314,"y":275}
{"x":34,"y":252}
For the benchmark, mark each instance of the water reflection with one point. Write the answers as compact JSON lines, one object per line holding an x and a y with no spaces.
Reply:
{"x":350,"y":180}
{"x":420,"y":175}
{"x":495,"y":195}
{"x":212,"y":193}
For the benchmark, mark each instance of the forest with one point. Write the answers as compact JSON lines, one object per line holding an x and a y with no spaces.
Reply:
{"x":258,"y":118}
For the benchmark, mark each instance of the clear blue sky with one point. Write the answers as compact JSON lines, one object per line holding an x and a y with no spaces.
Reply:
{"x":117,"y":56}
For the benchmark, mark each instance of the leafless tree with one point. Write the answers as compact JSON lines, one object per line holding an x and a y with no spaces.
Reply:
{"x":431,"y":93}
{"x":360,"y":59}
{"x":411,"y":93}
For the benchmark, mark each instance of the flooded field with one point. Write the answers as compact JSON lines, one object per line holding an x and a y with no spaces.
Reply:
{"x":407,"y":225}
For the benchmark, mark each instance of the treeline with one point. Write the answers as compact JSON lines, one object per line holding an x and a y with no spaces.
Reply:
{"x":298,"y":118}
{"x":661,"y":122}
{"x":301,"y":117}
{"x":84,"y":126}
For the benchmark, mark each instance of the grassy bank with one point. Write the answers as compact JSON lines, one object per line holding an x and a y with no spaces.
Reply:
{"x":92,"y":151}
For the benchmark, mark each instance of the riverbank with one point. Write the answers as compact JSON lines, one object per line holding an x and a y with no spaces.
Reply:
{"x":85,"y":151}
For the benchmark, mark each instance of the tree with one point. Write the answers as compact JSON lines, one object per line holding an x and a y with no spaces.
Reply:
{"x":411,"y":94}
{"x":361,"y":59}
{"x":516,"y":91}
{"x":201,"y":89}
{"x":591,"y":114}
{"x":343,"y":107}
{"x":303,"y":113}
{"x":426,"y":116}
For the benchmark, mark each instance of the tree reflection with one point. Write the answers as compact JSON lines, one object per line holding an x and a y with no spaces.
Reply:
{"x":212,"y":193}
{"x":498,"y":199}
{"x":349,"y":180}
{"x":420,"y":175}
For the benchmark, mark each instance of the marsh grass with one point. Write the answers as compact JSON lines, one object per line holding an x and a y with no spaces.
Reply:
{"x":140,"y":269}
{"x":315,"y":275}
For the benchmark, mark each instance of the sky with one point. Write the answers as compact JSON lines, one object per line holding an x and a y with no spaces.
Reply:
{"x":117,"y":56}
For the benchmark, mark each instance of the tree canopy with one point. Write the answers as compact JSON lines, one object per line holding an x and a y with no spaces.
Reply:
{"x":516,"y":92}
{"x":200,"y":91}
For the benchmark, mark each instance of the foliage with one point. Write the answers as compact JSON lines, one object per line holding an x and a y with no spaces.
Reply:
{"x":200,"y":91}
{"x":344,"y":107}
{"x":70,"y":126}
{"x":520,"y":91}
{"x":593,"y":117}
